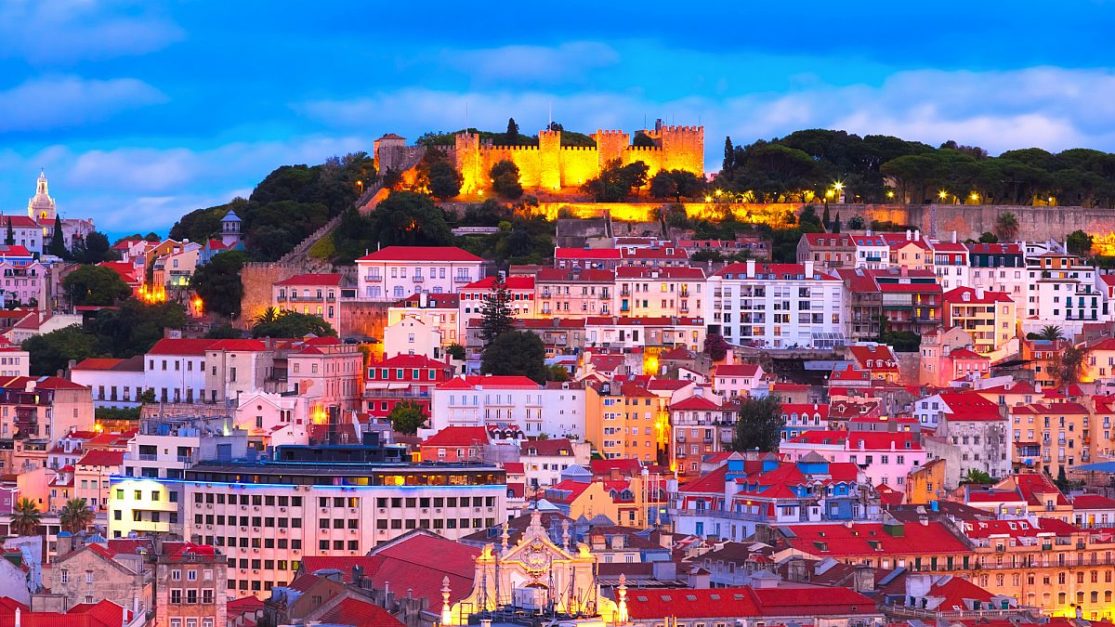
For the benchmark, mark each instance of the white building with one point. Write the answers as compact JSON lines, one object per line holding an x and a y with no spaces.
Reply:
{"x":643,"y":332}
{"x":884,"y":456}
{"x":114,"y":382}
{"x":544,"y":460}
{"x":1062,"y":292}
{"x":555,"y":410}
{"x":174,"y":369}
{"x":872,"y":251}
{"x":411,"y":335}
{"x":399,"y":271}
{"x":778,"y":305}
{"x":736,"y":380}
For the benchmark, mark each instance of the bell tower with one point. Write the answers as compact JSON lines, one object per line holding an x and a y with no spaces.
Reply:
{"x":41,"y":206}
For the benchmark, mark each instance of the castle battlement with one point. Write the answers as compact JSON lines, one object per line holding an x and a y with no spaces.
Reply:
{"x":551,"y":166}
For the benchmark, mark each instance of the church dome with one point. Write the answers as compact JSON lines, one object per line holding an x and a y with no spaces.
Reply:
{"x":41,"y":206}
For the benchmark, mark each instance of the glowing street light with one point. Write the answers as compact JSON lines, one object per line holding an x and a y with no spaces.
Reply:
{"x":838,"y":186}
{"x":708,"y":198}
{"x":890,"y":194}
{"x":942,"y":194}
{"x":974,"y":196}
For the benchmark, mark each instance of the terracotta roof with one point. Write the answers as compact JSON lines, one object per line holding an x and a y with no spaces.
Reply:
{"x":191,"y":347}
{"x":736,"y":370}
{"x":970,"y":407}
{"x":697,"y":403}
{"x":458,"y":436}
{"x":870,"y":539}
{"x":238,"y":345}
{"x":559,"y":275}
{"x":514,"y":282}
{"x":134,"y":364}
{"x":421,"y":253}
{"x":789,"y":600}
{"x":331,"y":279}
{"x":489,"y":382}
{"x":358,"y":613}
{"x":876,"y":358}
{"x":586,"y":253}
{"x":871,"y":440}
{"x":1092,"y":501}
{"x":666,"y":273}
{"x":101,"y":458}
{"x":968,"y":295}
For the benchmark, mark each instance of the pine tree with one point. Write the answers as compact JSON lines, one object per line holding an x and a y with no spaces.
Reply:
{"x":836,"y":223}
{"x":512,"y":131}
{"x":10,"y":239}
{"x":57,"y":240}
{"x":825,"y":219}
{"x":729,"y":155}
{"x":496,"y":313}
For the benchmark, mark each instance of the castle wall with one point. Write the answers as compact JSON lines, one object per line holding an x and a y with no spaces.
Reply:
{"x":551,"y":166}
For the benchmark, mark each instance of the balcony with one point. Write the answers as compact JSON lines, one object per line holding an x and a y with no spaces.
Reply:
{"x":418,"y":278}
{"x":462,"y":278}
{"x":546,"y":294}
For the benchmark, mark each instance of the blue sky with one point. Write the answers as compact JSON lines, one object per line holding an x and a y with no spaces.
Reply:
{"x":141,"y":111}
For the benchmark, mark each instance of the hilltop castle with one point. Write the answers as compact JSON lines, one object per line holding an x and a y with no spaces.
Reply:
{"x":550,"y":166}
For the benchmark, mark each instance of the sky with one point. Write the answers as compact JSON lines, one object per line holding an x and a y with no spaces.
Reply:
{"x":140,"y":111}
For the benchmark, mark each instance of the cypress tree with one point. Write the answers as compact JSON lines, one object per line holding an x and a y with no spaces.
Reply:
{"x":57,"y":240}
{"x":729,"y":155}
{"x":496,"y":313}
{"x":10,"y":240}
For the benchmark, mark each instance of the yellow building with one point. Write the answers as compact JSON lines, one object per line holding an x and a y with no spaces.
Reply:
{"x":140,"y":506}
{"x":926,"y":483}
{"x":626,"y":421}
{"x":988,"y":317}
{"x":625,"y":502}
{"x":1060,"y":432}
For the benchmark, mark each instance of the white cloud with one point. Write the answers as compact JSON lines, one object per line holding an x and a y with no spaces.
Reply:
{"x":1049,"y":107}
{"x":54,"y":102}
{"x":53,"y":31}
{"x":565,"y":62}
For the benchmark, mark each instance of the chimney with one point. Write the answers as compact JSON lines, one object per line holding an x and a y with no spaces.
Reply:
{"x":979,"y":292}
{"x":808,"y":269}
{"x":917,"y":236}
{"x":909,"y":235}
{"x":750,"y":268}
{"x":954,"y":236}
{"x":864,"y":579}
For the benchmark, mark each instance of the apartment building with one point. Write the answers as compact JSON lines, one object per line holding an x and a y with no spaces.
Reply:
{"x":1061,"y":433}
{"x":398,"y":271}
{"x":625,"y":420}
{"x":644,"y":332}
{"x":574,"y":293}
{"x":987,"y":317}
{"x":336,"y":500}
{"x":473,"y":296}
{"x":827,"y":251}
{"x":884,"y":457}
{"x":190,"y":582}
{"x":778,"y":305}
{"x":1062,"y":292}
{"x":1000,"y":268}
{"x":556,"y":409}
{"x":315,"y":294}
{"x":951,"y":264}
{"x":656,"y":292}
{"x":700,"y":426}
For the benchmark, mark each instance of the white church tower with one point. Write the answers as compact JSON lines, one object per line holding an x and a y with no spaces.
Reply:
{"x":41,"y":206}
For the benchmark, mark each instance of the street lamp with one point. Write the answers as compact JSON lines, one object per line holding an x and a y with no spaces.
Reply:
{"x":942,"y":194}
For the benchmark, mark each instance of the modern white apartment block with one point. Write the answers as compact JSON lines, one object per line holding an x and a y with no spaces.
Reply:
{"x":396,"y":272}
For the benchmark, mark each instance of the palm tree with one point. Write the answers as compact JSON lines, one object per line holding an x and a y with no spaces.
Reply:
{"x":25,"y":517}
{"x":1006,"y":227}
{"x":76,"y":516}
{"x":1071,"y":366}
{"x":1051,"y":332}
{"x":269,"y":315}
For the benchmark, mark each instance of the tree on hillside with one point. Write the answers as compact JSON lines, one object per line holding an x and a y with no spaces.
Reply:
{"x":76,"y":516}
{"x":52,"y":352}
{"x":496,"y":312}
{"x":676,"y":184}
{"x":616,"y":181}
{"x":759,"y":425}
{"x":57,"y":245}
{"x":10,"y":239}
{"x":25,"y":517}
{"x":93,"y":249}
{"x":662,"y":185}
{"x":716,"y":347}
{"x":95,"y":285}
{"x":218,"y":283}
{"x":409,"y":219}
{"x":516,"y":353}
{"x":293,"y":324}
{"x":135,"y":327}
{"x":856,"y":223}
{"x":1006,"y":227}
{"x":1079,"y":243}
{"x":987,"y":237}
{"x":445,"y":181}
{"x":505,"y":180}
{"x":729,"y":155}
{"x":836,"y":223}
{"x":407,"y":417}
{"x":1068,"y":370}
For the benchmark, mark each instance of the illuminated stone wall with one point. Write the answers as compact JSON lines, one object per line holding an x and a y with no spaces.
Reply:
{"x":551,"y":166}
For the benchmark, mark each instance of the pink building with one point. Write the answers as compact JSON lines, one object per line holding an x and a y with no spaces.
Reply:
{"x":317,"y":294}
{"x":521,"y":289}
{"x":24,"y":277}
{"x":885,"y":457}
{"x":736,"y":380}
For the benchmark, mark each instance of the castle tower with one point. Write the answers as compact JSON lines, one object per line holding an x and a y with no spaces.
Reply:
{"x":683,"y":148}
{"x":466,"y":152}
{"x":230,"y":229}
{"x":549,"y":155}
{"x":610,"y":145}
{"x":41,"y":205}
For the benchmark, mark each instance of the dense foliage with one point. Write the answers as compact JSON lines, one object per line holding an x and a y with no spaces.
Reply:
{"x":813,"y":160}
{"x":218,"y":283}
{"x":407,"y":417}
{"x":759,"y":426}
{"x":273,"y":323}
{"x":516,"y":353}
{"x":95,"y":285}
{"x":288,"y":205}
{"x":616,"y":182}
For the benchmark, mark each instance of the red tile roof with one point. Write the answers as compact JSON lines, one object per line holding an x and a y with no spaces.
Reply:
{"x":101,"y":458}
{"x":547,"y":448}
{"x":876,"y":358}
{"x":458,"y":436}
{"x":1092,"y":501}
{"x":514,"y":282}
{"x":736,"y":370}
{"x":559,"y":275}
{"x":871,"y":539}
{"x":421,"y":253}
{"x":331,"y":279}
{"x":191,"y":347}
{"x":788,"y":600}
{"x":696,"y":403}
{"x":358,"y":613}
{"x":238,"y":346}
{"x":666,"y":273}
{"x":489,"y":382}
{"x":968,"y":295}
{"x":970,"y":407}
{"x":586,"y":253}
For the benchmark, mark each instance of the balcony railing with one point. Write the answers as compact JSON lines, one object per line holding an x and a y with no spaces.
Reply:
{"x":461,"y":278}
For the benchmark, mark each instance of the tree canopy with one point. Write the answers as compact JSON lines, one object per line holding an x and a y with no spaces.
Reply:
{"x":496,"y":312}
{"x":291,"y":324}
{"x":52,"y":352}
{"x":407,"y":417}
{"x":516,"y":353}
{"x":616,"y":181}
{"x":505,"y":180}
{"x":759,"y":425}
{"x":95,"y":285}
{"x":218,"y":283}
